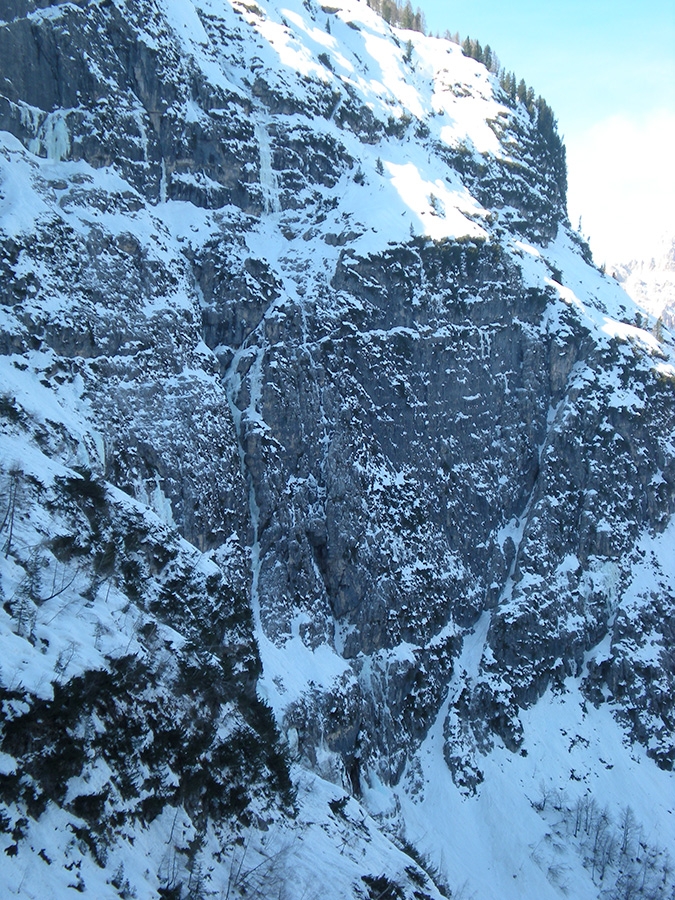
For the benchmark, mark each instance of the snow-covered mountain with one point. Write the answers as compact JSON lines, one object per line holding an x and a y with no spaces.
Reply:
{"x":337,"y":484}
{"x":651,"y":282}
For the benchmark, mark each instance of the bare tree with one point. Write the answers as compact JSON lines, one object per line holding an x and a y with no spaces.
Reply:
{"x":600,"y":836}
{"x":627,"y":826}
{"x":579,"y":808}
{"x":590,"y":815}
{"x":606,"y":853}
{"x":8,"y":520}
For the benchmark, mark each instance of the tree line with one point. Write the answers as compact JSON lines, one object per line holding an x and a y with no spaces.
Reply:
{"x":518,"y":93}
{"x":401,"y":15}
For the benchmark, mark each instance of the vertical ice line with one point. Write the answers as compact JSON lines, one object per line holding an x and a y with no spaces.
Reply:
{"x":268,"y":177}
{"x":242,"y":420}
{"x":163,"y":184}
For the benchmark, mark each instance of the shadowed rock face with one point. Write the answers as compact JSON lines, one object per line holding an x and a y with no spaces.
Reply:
{"x":449,"y":453}
{"x":401,"y":440}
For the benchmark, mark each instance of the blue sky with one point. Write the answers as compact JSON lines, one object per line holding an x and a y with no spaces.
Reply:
{"x":607,"y":68}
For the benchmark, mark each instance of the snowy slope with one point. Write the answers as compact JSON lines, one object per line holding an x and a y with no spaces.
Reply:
{"x":312,"y":402}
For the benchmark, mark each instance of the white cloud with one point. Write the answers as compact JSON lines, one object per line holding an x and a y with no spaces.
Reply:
{"x":622,"y":184}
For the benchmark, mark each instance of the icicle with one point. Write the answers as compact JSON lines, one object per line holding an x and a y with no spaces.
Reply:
{"x":53,"y":139}
{"x":162,"y":184}
{"x":268,"y":177}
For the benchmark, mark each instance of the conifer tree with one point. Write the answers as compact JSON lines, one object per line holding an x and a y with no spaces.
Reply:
{"x":521,"y":92}
{"x":529,"y":100}
{"x":407,"y":16}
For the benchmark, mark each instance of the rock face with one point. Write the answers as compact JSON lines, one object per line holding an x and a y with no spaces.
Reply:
{"x":310,"y":304}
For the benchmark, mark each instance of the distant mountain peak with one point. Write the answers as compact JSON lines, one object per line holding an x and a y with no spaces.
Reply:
{"x":650,"y":281}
